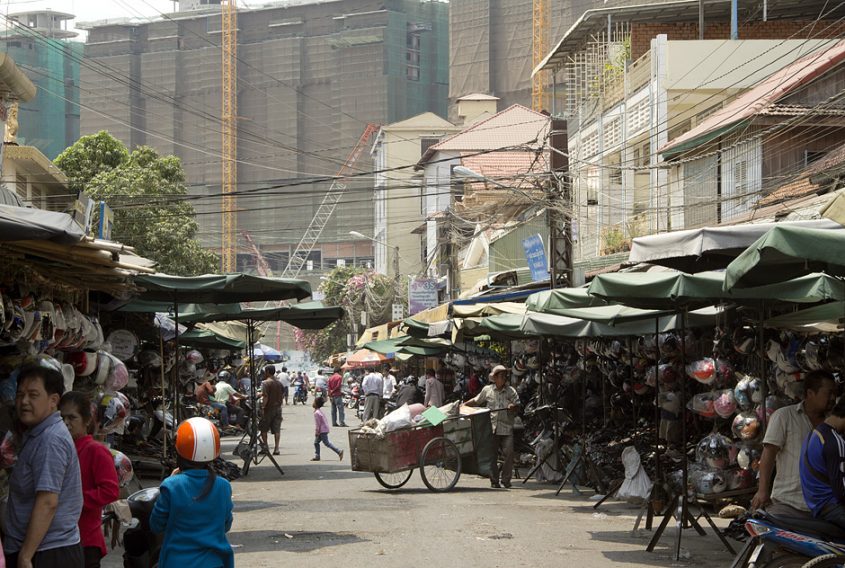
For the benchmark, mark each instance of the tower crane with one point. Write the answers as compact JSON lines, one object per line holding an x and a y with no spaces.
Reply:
{"x":324,"y":212}
{"x":229,"y":146}
{"x":540,"y":40}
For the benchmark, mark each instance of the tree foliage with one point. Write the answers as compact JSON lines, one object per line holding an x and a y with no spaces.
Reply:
{"x":355,"y":289}
{"x":145,"y":191}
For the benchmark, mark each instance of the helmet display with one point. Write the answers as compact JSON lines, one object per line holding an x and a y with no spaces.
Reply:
{"x":111,"y":412}
{"x":749,"y":457}
{"x":748,"y":392}
{"x":725,"y":403}
{"x":708,"y":483}
{"x":670,"y":402}
{"x":194,"y":356}
{"x":703,"y":370}
{"x":123,"y":465}
{"x":739,"y":479}
{"x":746,"y":426}
{"x":703,"y":404}
{"x":714,"y":451}
{"x":197,"y":440}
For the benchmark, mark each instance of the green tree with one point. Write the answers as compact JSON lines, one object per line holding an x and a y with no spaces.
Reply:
{"x":146,"y":192}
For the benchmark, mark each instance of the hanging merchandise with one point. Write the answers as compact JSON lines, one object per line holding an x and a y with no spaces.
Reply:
{"x":725,"y":403}
{"x":714,"y":451}
{"x":111,"y":412}
{"x":708,"y":482}
{"x":746,"y":426}
{"x":123,"y":465}
{"x":748,"y":392}
{"x":703,"y":370}
{"x":703,"y":404}
{"x":748,"y":456}
{"x":124,"y":344}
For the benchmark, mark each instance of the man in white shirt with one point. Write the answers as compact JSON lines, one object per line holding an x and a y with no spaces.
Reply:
{"x":284,"y":378}
{"x":373,"y":387}
{"x":389,"y":383}
{"x":433,"y":389}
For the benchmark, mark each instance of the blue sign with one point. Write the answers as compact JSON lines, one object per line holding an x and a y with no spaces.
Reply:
{"x":535,"y":254}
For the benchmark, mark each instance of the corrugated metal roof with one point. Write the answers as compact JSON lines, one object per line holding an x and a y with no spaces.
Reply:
{"x":804,"y":184}
{"x":515,"y":126}
{"x":761,"y":97}
{"x":497,"y":165}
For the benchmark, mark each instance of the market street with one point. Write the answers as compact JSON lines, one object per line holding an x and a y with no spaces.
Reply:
{"x":322,"y":514}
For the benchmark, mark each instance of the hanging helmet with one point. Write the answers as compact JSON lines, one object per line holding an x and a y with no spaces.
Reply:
{"x":703,"y":370}
{"x":724,"y":371}
{"x":111,"y":412}
{"x":703,"y":404}
{"x":123,"y":465}
{"x":669,"y":345}
{"x":739,"y":479}
{"x":194,"y":356}
{"x":670,"y":402}
{"x":749,"y":457}
{"x":725,"y":404}
{"x":742,"y":393}
{"x":713,"y":450}
{"x":772,"y":404}
{"x":84,"y":362}
{"x":773,"y":349}
{"x":744,"y":340}
{"x":746,"y":426}
{"x":711,"y":482}
{"x":197,"y":440}
{"x":667,"y":374}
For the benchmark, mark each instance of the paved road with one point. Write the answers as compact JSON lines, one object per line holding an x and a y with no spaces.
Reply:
{"x":321,"y":513}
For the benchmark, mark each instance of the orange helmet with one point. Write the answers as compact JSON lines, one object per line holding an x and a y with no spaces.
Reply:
{"x":198,"y":440}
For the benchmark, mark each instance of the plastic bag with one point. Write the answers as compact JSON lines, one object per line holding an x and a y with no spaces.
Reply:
{"x":396,"y":420}
{"x":637,"y":484}
{"x":703,"y":370}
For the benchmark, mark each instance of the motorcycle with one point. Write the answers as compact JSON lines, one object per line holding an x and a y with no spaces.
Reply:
{"x":300,"y":394}
{"x":791,"y":541}
{"x":352,"y":396}
{"x":140,"y":544}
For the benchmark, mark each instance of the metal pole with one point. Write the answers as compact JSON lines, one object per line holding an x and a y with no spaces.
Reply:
{"x":734,"y":20}
{"x":701,"y":19}
{"x":396,"y":263}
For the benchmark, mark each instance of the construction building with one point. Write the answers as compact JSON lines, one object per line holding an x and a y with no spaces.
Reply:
{"x":41,"y":46}
{"x":311,"y":76}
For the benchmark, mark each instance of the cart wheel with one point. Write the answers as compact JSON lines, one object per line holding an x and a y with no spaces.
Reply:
{"x":440,"y":464}
{"x":394,"y":480}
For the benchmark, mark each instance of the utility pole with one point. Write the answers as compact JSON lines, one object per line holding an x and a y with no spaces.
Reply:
{"x":396,"y":264}
{"x":560,"y":209}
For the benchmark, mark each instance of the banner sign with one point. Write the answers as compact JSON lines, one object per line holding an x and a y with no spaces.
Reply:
{"x":535,"y":254}
{"x":422,"y":295}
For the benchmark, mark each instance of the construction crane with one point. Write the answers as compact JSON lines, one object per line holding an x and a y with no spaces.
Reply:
{"x":540,"y":40}
{"x":229,"y":146}
{"x":324,"y":212}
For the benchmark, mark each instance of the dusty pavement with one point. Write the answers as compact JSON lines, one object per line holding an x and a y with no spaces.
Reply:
{"x":322,"y":513}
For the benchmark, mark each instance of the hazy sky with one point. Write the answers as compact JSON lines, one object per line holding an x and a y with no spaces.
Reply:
{"x":90,"y":10}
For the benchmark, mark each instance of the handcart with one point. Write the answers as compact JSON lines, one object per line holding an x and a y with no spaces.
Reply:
{"x":461,"y":444}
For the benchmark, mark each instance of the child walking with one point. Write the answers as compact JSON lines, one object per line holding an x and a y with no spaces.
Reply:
{"x":321,"y":431}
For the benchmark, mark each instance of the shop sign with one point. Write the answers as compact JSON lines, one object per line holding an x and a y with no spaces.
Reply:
{"x":398,"y":312}
{"x":535,"y":254}
{"x":422,"y":295}
{"x":106,"y":224}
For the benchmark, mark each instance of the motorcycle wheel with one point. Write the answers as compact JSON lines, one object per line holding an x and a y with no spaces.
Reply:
{"x":786,"y":560}
{"x":394,"y":480}
{"x":826,"y":561}
{"x":351,"y":404}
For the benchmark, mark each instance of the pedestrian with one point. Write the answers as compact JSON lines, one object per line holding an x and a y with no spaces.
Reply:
{"x":502,"y":400}
{"x":194,"y":507}
{"x":389,"y":384}
{"x":433,"y":389}
{"x":226,"y":395}
{"x":321,"y":432}
{"x":820,"y":467}
{"x":271,"y":409}
{"x":99,"y":476}
{"x":373,"y":387}
{"x":335,"y":386}
{"x":45,"y":486}
{"x":284,"y":378}
{"x":409,"y":393}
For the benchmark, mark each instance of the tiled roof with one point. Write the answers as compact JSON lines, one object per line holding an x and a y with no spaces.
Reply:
{"x":768,"y":91}
{"x":802,"y":185}
{"x":514,"y":126}
{"x":507,"y":164}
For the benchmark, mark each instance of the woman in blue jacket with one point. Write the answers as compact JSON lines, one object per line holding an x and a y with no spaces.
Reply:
{"x":194,"y":510}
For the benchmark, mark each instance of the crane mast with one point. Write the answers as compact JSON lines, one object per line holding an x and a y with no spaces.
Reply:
{"x":540,"y":34}
{"x":229,"y":146}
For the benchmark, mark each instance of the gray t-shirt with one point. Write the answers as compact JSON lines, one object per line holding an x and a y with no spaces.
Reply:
{"x":47,"y":461}
{"x":787,"y":429}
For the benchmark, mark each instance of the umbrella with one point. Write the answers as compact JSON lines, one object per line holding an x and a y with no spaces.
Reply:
{"x":307,"y":315}
{"x":206,"y":338}
{"x":825,"y":318}
{"x":786,"y":252}
{"x":221,"y":288}
{"x":707,"y":248}
{"x":267,"y":352}
{"x":365,"y":358}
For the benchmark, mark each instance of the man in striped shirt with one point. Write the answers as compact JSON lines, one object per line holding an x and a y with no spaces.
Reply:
{"x":822,"y":468}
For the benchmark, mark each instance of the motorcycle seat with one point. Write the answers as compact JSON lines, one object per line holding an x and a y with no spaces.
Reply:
{"x":805,"y":523}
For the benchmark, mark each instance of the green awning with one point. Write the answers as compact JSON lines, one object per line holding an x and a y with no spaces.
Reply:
{"x":185,"y":310}
{"x":670,"y":290}
{"x":415,"y":328}
{"x":220,"y":288}
{"x":406,"y":345}
{"x":646,"y":322}
{"x":549,"y":301}
{"x":307,"y":315}
{"x":205,"y":338}
{"x":503,"y":326}
{"x":826,"y":318}
{"x":786,"y":252}
{"x":611,"y":315}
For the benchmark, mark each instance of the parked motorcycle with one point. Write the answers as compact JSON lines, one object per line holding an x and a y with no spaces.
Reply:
{"x":140,"y":544}
{"x":352,"y":396}
{"x":791,"y":541}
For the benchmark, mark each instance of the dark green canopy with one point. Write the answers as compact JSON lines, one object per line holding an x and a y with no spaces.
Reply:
{"x":205,"y":338}
{"x":220,"y":288}
{"x":824,"y":318}
{"x":671,"y":290}
{"x":406,"y":345}
{"x":415,"y":328}
{"x":786,"y":252}
{"x":185,"y":310}
{"x":549,"y":301}
{"x":308,"y":315}
{"x":599,"y":324}
{"x":503,"y":325}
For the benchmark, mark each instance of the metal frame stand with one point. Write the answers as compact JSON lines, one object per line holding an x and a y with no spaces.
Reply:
{"x":256,"y":452}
